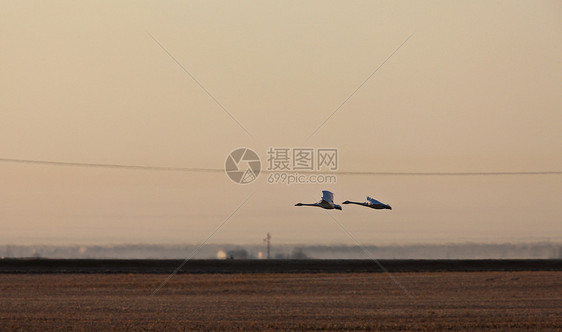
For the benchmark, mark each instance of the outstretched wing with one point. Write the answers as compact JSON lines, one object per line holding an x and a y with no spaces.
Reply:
{"x":328,"y":196}
{"x":373,"y":201}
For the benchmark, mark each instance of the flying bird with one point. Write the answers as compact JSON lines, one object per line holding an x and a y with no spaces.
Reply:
{"x":327,"y":201}
{"x":372,"y":203}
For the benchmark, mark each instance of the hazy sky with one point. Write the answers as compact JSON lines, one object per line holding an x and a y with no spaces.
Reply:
{"x":477,"y":88}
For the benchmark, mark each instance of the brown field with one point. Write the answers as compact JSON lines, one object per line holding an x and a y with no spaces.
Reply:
{"x":362,"y":301}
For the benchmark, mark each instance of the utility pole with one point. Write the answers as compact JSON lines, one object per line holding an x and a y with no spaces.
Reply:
{"x":267,"y":240}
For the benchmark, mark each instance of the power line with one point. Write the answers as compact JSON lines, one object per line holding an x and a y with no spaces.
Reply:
{"x":219,"y":170}
{"x":119,"y":166}
{"x":492,"y":173}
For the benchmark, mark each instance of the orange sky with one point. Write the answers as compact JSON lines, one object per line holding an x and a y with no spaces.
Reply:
{"x":475,"y":89}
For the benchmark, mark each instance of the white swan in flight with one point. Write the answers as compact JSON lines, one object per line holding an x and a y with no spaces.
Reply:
{"x":372,"y":203}
{"x":327,"y":202}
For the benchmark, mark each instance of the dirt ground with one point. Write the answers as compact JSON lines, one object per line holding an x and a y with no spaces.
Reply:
{"x":362,"y":301}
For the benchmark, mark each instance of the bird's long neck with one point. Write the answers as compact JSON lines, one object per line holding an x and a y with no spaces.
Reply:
{"x":358,"y":203}
{"x":304,"y":204}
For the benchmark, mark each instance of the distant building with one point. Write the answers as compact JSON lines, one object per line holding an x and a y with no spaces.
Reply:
{"x":298,"y":253}
{"x":221,"y":254}
{"x":237,"y":254}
